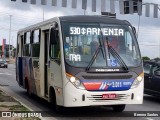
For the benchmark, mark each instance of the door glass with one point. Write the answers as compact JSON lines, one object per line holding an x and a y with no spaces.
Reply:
{"x":55,"y":49}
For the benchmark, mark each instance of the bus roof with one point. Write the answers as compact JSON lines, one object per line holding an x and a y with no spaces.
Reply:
{"x":95,"y":18}
{"x":78,"y":18}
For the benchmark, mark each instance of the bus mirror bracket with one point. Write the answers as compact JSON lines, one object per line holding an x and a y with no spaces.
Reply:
{"x":53,"y":36}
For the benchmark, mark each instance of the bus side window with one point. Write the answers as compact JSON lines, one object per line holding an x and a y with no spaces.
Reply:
{"x":36,"y":43}
{"x":27,"y":47}
{"x":19,"y":40}
{"x":55,"y":45}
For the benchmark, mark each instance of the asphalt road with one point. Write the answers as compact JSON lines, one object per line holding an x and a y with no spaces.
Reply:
{"x":9,"y":85}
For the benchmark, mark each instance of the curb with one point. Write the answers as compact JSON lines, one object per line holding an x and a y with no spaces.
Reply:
{"x":19,"y":102}
{"x":16,"y":100}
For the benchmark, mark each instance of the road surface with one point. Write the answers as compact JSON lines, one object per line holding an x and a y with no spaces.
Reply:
{"x":9,"y":85}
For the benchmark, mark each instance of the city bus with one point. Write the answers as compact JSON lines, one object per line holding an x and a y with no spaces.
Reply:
{"x":76,"y":61}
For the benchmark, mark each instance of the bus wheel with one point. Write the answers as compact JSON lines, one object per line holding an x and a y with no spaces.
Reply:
{"x":28,"y":91}
{"x":56,"y":107}
{"x":118,"y":108}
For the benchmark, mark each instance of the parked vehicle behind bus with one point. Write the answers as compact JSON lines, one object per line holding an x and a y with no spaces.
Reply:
{"x":152,"y":78}
{"x":3,"y":63}
{"x":75,"y":61}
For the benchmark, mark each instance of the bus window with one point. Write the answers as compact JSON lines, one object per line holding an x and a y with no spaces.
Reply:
{"x":19,"y":45}
{"x":27,"y":37}
{"x":131,"y":50}
{"x":36,"y":36}
{"x":36,"y":43}
{"x":27,"y":47}
{"x":26,"y":50}
{"x":55,"y":46}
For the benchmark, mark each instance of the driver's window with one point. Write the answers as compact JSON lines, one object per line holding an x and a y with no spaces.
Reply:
{"x":55,"y":47}
{"x":55,"y":51}
{"x":129,"y":45}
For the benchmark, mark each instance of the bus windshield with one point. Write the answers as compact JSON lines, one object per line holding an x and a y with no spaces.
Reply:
{"x":100,"y":45}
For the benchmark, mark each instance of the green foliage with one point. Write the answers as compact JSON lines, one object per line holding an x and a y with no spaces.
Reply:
{"x":145,"y":58}
{"x":14,"y":49}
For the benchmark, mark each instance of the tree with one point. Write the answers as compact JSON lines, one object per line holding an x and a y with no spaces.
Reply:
{"x":145,"y":58}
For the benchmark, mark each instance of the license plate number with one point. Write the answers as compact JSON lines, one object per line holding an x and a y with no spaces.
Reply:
{"x":109,"y":96}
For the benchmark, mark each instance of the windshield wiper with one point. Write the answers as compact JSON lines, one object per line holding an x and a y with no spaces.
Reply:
{"x":96,"y":54}
{"x":117,"y":57}
{"x":93,"y":59}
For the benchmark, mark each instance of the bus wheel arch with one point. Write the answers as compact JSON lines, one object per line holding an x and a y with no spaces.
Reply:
{"x":52,"y":95}
{"x":52,"y":100}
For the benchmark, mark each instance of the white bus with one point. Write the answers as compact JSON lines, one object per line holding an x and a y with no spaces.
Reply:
{"x":75,"y":61}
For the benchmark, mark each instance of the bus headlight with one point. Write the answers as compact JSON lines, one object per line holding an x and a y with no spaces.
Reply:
{"x":75,"y":81}
{"x":137,"y":81}
{"x":72,"y":79}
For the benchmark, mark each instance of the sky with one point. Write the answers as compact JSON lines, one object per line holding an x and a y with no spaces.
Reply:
{"x":25,"y":14}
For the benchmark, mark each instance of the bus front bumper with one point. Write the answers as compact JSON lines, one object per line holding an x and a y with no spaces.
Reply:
{"x":74,"y":97}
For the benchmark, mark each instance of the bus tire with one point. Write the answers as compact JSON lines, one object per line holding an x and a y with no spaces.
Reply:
{"x":28,"y":89}
{"x":118,"y":108}
{"x":53,"y":101}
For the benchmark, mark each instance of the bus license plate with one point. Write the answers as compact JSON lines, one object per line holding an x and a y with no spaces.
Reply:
{"x":109,"y":96}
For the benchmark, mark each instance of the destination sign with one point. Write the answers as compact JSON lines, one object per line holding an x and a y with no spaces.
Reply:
{"x":96,"y":31}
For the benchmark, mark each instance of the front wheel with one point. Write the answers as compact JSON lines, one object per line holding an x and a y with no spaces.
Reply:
{"x":118,"y":108}
{"x":56,"y":107}
{"x":28,"y":89}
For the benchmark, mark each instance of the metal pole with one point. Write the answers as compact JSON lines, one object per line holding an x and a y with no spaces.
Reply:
{"x":43,"y":13}
{"x":10,"y":16}
{"x":139,"y":20}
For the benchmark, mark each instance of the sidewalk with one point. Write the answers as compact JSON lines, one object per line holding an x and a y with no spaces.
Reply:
{"x":11,"y":61}
{"x":9,"y":105}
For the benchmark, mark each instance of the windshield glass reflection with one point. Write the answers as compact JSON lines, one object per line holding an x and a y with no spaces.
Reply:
{"x":81,"y":41}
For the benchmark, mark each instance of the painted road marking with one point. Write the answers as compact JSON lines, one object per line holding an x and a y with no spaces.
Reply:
{"x":149,"y":119}
{"x":5,"y":74}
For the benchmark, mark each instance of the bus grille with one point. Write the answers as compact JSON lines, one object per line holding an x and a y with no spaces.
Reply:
{"x":98,"y":98}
